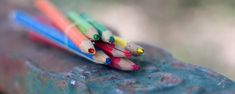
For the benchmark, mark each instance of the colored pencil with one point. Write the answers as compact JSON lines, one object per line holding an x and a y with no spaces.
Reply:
{"x":123,"y":64}
{"x":131,"y":46}
{"x":116,"y":62}
{"x":112,"y":51}
{"x":64,"y":25}
{"x":56,"y":37}
{"x":100,"y":57}
{"x":35,"y":37}
{"x":84,"y":26}
{"x":105,"y":34}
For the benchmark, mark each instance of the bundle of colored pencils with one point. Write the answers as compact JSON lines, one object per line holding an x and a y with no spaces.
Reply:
{"x":79,"y":34}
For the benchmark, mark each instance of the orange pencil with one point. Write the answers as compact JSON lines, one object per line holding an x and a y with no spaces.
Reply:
{"x":64,"y":25}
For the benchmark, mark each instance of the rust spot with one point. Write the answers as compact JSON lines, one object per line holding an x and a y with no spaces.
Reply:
{"x":11,"y":66}
{"x":178,"y":65}
{"x":170,"y":79}
{"x":195,"y":90}
{"x":11,"y":69}
{"x":62,"y":84}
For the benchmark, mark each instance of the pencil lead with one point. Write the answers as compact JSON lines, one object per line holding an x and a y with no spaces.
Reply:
{"x":135,"y":67}
{"x":108,"y":61}
{"x":111,"y":39}
{"x":91,"y":50}
{"x":127,"y":54}
{"x":140,"y":51}
{"x":96,"y":37}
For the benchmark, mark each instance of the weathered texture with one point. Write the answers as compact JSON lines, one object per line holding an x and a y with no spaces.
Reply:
{"x":32,"y":68}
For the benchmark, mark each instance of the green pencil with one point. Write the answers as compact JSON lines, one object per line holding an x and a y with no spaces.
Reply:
{"x":105,"y":34}
{"x":84,"y":26}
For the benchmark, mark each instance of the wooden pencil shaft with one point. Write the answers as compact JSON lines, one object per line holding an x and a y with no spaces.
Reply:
{"x":105,"y":48}
{"x":123,"y":64}
{"x":131,"y":46}
{"x":83,"y":25}
{"x":76,"y":19}
{"x":105,"y":34}
{"x":110,"y":50}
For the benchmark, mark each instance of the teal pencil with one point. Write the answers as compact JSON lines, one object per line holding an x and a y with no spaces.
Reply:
{"x":105,"y":34}
{"x":86,"y":28}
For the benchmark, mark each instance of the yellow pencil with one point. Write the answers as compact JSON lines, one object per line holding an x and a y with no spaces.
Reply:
{"x":131,"y":46}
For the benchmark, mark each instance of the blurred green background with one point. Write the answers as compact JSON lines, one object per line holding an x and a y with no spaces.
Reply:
{"x":200,"y":32}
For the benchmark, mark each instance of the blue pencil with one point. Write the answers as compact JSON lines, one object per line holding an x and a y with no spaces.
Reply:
{"x":56,"y":37}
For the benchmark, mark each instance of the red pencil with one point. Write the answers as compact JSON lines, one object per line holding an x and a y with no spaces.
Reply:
{"x":123,"y":64}
{"x":112,"y":51}
{"x":35,"y":37}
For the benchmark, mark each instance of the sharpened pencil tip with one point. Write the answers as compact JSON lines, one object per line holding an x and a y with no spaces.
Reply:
{"x":135,"y":67}
{"x":127,"y":54}
{"x":91,"y":51}
{"x":140,"y":51}
{"x":111,"y":39}
{"x":96,"y":37}
{"x":108,"y":61}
